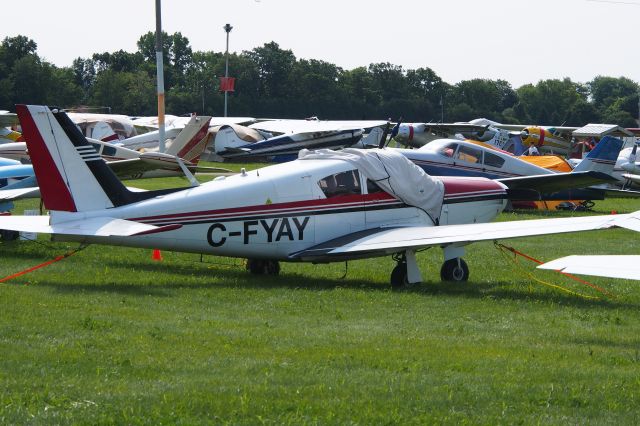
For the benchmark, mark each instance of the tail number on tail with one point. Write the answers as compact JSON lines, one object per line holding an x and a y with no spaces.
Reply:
{"x":275,"y":230}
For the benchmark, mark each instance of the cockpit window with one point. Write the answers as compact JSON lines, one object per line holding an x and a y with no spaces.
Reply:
{"x":373,"y":187}
{"x":448,"y":150}
{"x":345,"y":183}
{"x":492,"y":160}
{"x":469,"y":154}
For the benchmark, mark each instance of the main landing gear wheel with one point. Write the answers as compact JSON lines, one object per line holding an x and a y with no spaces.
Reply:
{"x":263,"y":267}
{"x":7,"y":235}
{"x":454,"y":270}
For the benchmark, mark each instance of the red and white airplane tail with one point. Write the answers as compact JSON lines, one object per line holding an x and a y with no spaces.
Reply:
{"x":71,"y":175}
{"x":192,"y":140}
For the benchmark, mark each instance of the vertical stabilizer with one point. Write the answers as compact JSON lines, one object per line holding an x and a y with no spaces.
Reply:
{"x":602,"y":157}
{"x":192,"y":140}
{"x":71,"y":175}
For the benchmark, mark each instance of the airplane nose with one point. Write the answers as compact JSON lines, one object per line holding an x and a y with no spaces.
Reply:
{"x":629,"y":167}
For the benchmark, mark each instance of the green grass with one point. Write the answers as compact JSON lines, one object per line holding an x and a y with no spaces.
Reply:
{"x":108,"y":336}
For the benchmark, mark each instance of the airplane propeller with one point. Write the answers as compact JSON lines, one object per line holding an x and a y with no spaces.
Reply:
{"x":385,"y":133}
{"x":632,"y":156}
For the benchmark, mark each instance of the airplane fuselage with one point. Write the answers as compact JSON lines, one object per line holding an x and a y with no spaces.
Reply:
{"x":452,"y":157}
{"x":275,"y":211}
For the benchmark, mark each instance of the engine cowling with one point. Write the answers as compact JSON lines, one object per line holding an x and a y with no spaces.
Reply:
{"x":412,"y":134}
{"x":533,"y":136}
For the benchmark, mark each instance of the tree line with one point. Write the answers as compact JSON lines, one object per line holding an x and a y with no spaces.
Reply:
{"x":272,"y":82}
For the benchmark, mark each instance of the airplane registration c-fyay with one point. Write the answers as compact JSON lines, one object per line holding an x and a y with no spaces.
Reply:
{"x":326,"y":206}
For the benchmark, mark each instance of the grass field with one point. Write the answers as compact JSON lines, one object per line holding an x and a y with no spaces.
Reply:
{"x":109,"y":336}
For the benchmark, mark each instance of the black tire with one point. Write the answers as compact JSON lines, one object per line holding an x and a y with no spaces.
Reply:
{"x":399,"y":276}
{"x":271,"y":267}
{"x":7,"y":235}
{"x":450,"y":270}
{"x":263,"y":267}
{"x":255,"y":266}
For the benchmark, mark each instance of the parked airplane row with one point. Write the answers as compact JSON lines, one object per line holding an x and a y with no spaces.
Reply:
{"x":325,"y":206}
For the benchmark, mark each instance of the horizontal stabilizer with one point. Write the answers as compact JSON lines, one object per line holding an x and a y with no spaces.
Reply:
{"x":93,"y":227}
{"x":19,"y":193}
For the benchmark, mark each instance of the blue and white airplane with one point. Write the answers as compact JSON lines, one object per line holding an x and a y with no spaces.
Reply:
{"x":452,"y":157}
{"x":14,"y":175}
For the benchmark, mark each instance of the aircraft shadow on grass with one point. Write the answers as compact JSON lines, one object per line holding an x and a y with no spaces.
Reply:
{"x":233,"y":275}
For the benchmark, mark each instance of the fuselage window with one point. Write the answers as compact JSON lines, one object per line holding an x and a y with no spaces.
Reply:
{"x":448,"y":150}
{"x":345,"y":183}
{"x":492,"y":160}
{"x":373,"y":187}
{"x":469,"y":154}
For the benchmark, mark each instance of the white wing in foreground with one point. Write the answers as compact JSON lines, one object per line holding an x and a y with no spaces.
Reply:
{"x":627,"y":267}
{"x":392,"y":240}
{"x":441,"y":235}
{"x":96,"y":227}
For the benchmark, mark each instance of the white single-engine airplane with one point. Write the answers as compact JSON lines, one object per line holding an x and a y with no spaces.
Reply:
{"x":324,"y":207}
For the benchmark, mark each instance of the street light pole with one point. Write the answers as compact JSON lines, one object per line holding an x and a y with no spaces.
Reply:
{"x":228,"y":29}
{"x":160,"y":75}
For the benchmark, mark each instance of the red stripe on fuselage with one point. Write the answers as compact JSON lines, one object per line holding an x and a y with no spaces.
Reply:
{"x":53,"y":189}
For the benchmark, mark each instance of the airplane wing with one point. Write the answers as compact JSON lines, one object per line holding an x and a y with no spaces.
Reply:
{"x":19,"y":193}
{"x":8,"y":119}
{"x":620,"y":193}
{"x":453,"y":128}
{"x":554,"y":182}
{"x":382,"y":241}
{"x":131,"y":167}
{"x":221,"y":121}
{"x":307,"y":126}
{"x":624,"y":266}
{"x":96,"y":227}
{"x":156,"y":161}
{"x":518,"y":127}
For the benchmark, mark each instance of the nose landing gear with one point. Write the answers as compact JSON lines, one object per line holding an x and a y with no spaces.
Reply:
{"x":406,"y":270}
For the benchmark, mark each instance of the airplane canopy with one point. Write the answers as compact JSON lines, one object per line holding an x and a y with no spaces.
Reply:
{"x":393,"y":172}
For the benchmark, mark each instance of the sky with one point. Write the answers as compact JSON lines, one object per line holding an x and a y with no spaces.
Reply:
{"x":521,"y":41}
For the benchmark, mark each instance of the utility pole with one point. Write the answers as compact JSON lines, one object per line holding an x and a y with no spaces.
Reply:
{"x":227,"y":29}
{"x":160,"y":75}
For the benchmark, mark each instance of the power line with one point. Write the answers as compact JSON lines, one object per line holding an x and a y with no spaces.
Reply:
{"x":615,"y":2}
